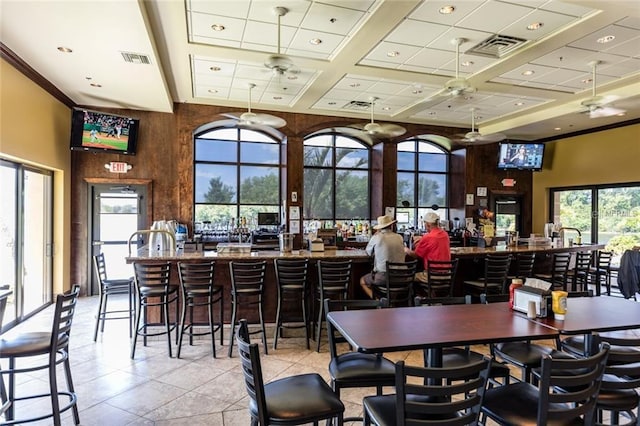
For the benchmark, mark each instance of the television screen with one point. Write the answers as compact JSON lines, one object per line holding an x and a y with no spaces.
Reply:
{"x":402,"y":217}
{"x":103,"y":132}
{"x":524,"y":156}
{"x":266,"y":219}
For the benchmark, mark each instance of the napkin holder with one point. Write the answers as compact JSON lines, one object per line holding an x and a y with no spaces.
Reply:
{"x":316,"y":245}
{"x":542,"y":298}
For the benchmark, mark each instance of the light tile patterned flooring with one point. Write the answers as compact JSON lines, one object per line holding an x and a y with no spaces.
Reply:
{"x":154,"y":389}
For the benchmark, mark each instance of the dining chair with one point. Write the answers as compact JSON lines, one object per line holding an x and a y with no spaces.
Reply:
{"x":333,"y":283}
{"x":580,"y":272}
{"x":566,"y":394}
{"x":247,"y":290}
{"x":441,"y":276}
{"x":457,"y":357}
{"x":599,"y":272}
{"x":494,"y":280}
{"x":350,"y":369}
{"x":154,"y":290}
{"x":398,"y":288}
{"x":110,"y":287}
{"x":424,"y":395}
{"x":292,"y":285}
{"x":557,"y":275}
{"x":42,"y":350}
{"x":199,"y":290}
{"x":524,"y":264}
{"x":292,"y":400}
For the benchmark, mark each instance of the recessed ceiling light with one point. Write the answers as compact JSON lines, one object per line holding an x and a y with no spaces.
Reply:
{"x":431,"y":113}
{"x":446,"y":10}
{"x":354,"y":85}
{"x":89,"y":78}
{"x":212,"y":91}
{"x":416,"y":91}
{"x":528,"y":72}
{"x":557,"y":128}
{"x":586,"y":80}
{"x":217,"y":27}
{"x":315,"y":41}
{"x":468,"y":98}
{"x":622,"y":114}
{"x":332,"y":103}
{"x":393,"y":54}
{"x":519,"y":103}
{"x":535,"y":26}
{"x":96,"y":85}
{"x":386,"y":108}
{"x":65,"y":49}
{"x":467,"y":63}
{"x":277,"y":98}
{"x":606,"y":39}
{"x":292,"y":77}
{"x":214,"y":68}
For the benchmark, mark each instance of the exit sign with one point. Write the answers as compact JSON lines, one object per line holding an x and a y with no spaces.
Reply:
{"x":118,"y":167}
{"x":508,"y":182}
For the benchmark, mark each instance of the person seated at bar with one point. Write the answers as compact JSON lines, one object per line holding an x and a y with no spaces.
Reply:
{"x":434,"y":245}
{"x":384,"y":246}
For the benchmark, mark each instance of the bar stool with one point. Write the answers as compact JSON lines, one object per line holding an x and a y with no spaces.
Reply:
{"x":558,"y":273}
{"x":291,"y":278}
{"x":579,"y":274}
{"x":599,"y":273}
{"x":247,"y":289}
{"x":153,"y":289}
{"x":198,"y":289}
{"x":524,"y":266}
{"x":494,"y":280}
{"x":333,"y":283}
{"x":54,"y":347}
{"x":109,"y":287}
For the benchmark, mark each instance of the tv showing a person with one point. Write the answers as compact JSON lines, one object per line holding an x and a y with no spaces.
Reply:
{"x":520,"y":158}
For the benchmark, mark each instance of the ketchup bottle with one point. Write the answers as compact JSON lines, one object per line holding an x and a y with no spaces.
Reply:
{"x":515,"y":283}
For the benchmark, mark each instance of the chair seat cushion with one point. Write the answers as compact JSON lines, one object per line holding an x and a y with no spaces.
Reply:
{"x":202,"y":292}
{"x":575,"y":345}
{"x":362,"y":369}
{"x":610,"y":398}
{"x":517,"y":404}
{"x":304,"y":398}
{"x":459,"y":357}
{"x":382,"y":409}
{"x":527,"y":354}
{"x":25,"y":344}
{"x":155,"y":291}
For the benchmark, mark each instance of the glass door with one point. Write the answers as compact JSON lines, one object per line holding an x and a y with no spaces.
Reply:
{"x":118,"y":212}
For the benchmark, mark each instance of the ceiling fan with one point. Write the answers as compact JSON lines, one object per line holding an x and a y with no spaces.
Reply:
{"x":475,"y":137}
{"x":598,"y":106}
{"x":384,"y":130}
{"x":457,"y":86}
{"x":249,"y":118}
{"x":279,"y":63}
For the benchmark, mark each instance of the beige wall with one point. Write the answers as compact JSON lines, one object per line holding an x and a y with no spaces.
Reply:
{"x":34,"y":129}
{"x":610,"y":156}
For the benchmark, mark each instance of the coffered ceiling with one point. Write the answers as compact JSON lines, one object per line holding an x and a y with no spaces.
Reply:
{"x":525,"y":83}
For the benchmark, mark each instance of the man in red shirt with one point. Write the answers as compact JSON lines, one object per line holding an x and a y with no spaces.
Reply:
{"x":434,"y":245}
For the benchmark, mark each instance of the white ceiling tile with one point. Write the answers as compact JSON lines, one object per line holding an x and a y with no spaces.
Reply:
{"x":566,"y":57}
{"x":406,"y":32}
{"x":623,"y":68}
{"x":267,"y":35}
{"x":539,"y":71}
{"x":630,"y":22}
{"x":567,"y":8}
{"x":362,"y":5}
{"x":302,"y":47}
{"x":416,"y":68}
{"x":476,"y":63}
{"x":355,"y":83}
{"x":494,"y":16}
{"x":237,"y":8}
{"x":558,"y":76}
{"x":429,"y":11}
{"x":551,"y":23}
{"x":380,"y":52}
{"x":630,"y":48}
{"x":201,"y":27}
{"x":445,"y":41}
{"x":212,"y":80}
{"x":621,"y":34}
{"x":431,"y":58}
{"x":204,"y":65}
{"x":379,"y":64}
{"x":262,"y":10}
{"x":331,"y":19}
{"x":386,"y":88}
{"x":202,"y":91}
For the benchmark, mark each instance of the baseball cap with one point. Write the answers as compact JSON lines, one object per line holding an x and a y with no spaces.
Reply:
{"x":431,"y":218}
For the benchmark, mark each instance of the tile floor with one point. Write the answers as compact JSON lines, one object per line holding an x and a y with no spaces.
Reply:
{"x":154,"y":389}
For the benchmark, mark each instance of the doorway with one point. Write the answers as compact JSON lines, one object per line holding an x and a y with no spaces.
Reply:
{"x":117,"y":211}
{"x":508,"y":209}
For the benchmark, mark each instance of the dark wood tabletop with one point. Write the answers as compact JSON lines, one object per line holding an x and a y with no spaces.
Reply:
{"x":424,"y":327}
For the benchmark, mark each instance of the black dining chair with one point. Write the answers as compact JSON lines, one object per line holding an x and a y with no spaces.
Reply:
{"x":110,"y":287}
{"x":398,"y":288}
{"x":441,"y":276}
{"x":579,"y":274}
{"x":247,"y":290}
{"x":557,"y":275}
{"x":334,"y":278}
{"x":496,"y":269}
{"x":566,"y":394}
{"x":199,"y":290}
{"x":599,"y":271}
{"x":425,"y":396}
{"x":350,"y":369}
{"x":524,"y":264}
{"x":292,"y":400}
{"x":293,"y":289}
{"x":44,"y":350}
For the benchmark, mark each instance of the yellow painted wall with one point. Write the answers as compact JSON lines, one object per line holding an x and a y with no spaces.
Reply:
{"x":610,"y":156}
{"x":34,"y":129}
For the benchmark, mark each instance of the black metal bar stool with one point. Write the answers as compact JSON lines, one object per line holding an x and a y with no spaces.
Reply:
{"x":109,"y":287}
{"x":153,"y":289}
{"x":55,"y":346}
{"x":198,"y":289}
{"x":291,"y":278}
{"x":333,"y":283}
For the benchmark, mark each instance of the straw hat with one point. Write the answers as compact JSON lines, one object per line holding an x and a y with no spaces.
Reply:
{"x":384,"y":221}
{"x":431,"y":218}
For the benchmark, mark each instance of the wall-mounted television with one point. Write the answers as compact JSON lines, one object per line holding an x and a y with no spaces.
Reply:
{"x":268,"y":219}
{"x":522,"y":156}
{"x":102,"y":132}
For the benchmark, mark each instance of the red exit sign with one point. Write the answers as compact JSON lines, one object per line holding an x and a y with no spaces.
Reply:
{"x":508,"y":182}
{"x":118,"y":167}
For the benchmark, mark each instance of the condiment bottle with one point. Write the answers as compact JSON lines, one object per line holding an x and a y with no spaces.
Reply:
{"x":515,"y":283}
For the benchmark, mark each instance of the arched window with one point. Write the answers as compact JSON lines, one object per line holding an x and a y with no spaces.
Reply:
{"x":423,"y":176}
{"x":336,"y":179}
{"x":236,"y":175}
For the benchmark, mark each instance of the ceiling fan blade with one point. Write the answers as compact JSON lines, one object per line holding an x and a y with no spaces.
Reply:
{"x":230,"y":115}
{"x":270,"y":120}
{"x":605,"y":111}
{"x":493,"y":137}
{"x":392,"y":130}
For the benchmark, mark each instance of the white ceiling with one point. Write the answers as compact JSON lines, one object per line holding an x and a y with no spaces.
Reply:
{"x":192,"y":63}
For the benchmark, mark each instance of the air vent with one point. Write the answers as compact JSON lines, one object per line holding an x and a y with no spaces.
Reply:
{"x":497,"y":46}
{"x":135,"y":58}
{"x":358,"y":106}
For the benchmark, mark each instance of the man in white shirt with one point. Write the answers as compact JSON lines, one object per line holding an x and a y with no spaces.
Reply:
{"x":385,"y":245}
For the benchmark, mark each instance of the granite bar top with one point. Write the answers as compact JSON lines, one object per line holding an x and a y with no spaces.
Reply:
{"x":481,"y":251}
{"x":179,"y":255}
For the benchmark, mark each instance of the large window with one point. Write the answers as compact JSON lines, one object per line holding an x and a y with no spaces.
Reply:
{"x":237,"y":175}
{"x":336,"y":179}
{"x":605,"y":214}
{"x":422,"y":182}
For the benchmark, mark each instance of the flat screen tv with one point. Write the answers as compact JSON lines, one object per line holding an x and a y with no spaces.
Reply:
{"x":268,"y":219}
{"x":102,"y":132}
{"x":521,"y":156}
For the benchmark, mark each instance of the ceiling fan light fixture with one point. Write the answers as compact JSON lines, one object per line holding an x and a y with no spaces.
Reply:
{"x":278,"y":62}
{"x":372,"y":128}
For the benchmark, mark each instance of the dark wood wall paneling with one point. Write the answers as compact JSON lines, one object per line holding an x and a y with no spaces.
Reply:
{"x":165,"y":158}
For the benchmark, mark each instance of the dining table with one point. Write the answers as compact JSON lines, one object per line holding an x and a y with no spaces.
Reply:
{"x":435,"y":327}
